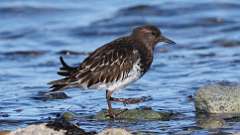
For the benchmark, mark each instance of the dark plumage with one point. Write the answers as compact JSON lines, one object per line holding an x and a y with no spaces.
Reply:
{"x":114,"y":65}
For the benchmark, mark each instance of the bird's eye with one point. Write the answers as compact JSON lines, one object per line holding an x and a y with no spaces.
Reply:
{"x":154,"y":33}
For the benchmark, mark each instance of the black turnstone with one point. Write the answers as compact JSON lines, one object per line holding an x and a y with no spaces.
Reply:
{"x":114,"y":65}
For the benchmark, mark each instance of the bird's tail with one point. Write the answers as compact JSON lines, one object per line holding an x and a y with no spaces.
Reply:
{"x":59,"y":85}
{"x":66,"y":71}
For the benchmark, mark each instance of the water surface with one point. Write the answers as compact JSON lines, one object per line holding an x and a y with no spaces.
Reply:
{"x":33,"y":34}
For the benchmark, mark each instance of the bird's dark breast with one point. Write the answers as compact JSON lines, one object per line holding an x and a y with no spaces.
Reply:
{"x":146,"y":58}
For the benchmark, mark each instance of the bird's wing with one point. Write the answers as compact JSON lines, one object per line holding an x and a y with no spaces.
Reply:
{"x":107,"y":64}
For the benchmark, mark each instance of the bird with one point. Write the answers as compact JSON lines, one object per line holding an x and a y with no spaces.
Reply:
{"x":114,"y":65}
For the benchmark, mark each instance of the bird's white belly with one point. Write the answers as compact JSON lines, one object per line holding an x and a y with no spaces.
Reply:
{"x":120,"y":84}
{"x":132,"y":76}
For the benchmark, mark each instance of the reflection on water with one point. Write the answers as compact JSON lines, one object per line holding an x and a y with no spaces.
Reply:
{"x":35,"y":33}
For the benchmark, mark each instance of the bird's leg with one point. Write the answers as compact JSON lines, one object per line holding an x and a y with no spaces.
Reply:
{"x":110,"y":110}
{"x":111,"y":114}
{"x":130,"y":100}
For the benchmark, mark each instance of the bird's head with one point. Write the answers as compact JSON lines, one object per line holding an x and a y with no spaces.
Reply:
{"x":150,"y":35}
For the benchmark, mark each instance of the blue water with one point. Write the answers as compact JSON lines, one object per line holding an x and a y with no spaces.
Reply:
{"x":33,"y":34}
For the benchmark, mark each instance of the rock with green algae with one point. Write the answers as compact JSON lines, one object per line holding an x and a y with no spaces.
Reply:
{"x":135,"y":114}
{"x":68,"y":116}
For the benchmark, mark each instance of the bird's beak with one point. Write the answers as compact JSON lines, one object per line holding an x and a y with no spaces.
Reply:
{"x":166,"y":40}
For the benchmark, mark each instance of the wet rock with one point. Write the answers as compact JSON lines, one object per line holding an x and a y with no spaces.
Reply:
{"x":40,"y":129}
{"x":114,"y":131}
{"x":218,"y":98}
{"x":60,"y":126}
{"x":51,"y":95}
{"x":136,"y":114}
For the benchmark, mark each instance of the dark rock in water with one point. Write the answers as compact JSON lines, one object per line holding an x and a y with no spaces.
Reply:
{"x":206,"y":55}
{"x":51,"y":95}
{"x":190,"y":98}
{"x":136,"y":114}
{"x":68,"y":52}
{"x":213,"y":21}
{"x":18,"y":110}
{"x":64,"y":123}
{"x":227,"y":43}
{"x":25,"y":53}
{"x":220,"y":98}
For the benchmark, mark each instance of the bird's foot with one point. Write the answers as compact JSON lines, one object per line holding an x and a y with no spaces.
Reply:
{"x":113,"y":115}
{"x":131,"y":100}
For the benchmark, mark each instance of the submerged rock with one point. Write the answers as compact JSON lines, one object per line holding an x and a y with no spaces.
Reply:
{"x":51,"y":95}
{"x":25,"y":53}
{"x":135,"y":114}
{"x":218,"y":98}
{"x":209,"y":122}
{"x":114,"y":131}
